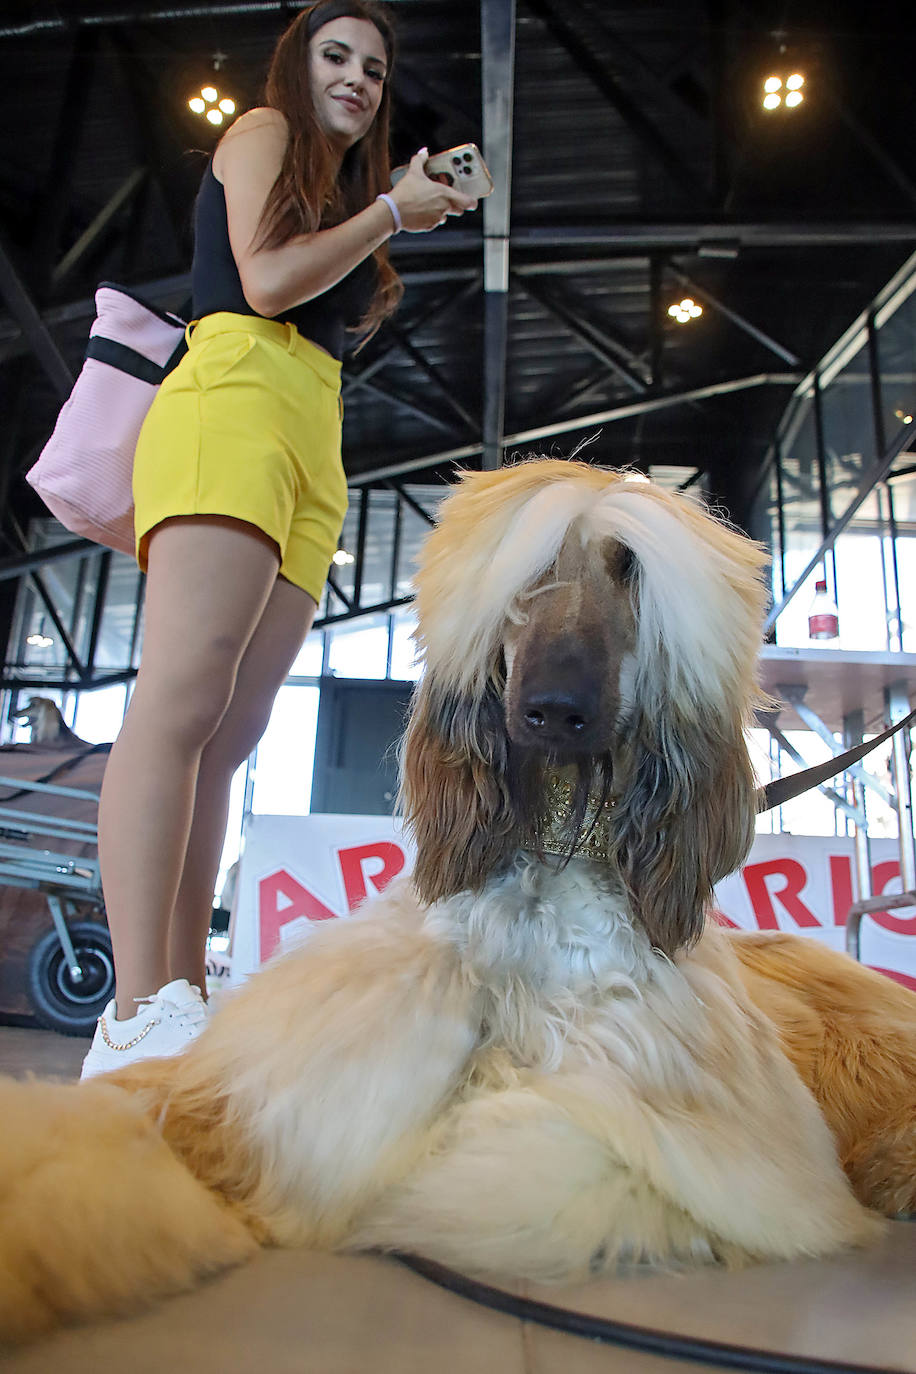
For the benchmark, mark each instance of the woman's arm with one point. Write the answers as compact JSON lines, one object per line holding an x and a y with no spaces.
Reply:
{"x":248,"y":162}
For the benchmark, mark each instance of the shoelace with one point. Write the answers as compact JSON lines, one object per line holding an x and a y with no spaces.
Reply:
{"x":191,"y":1013}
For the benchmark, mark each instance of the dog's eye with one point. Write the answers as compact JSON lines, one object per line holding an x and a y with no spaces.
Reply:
{"x":622,"y":563}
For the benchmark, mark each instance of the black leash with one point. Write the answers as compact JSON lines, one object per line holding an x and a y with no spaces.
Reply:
{"x":644,"y":1338}
{"x":781,"y":790}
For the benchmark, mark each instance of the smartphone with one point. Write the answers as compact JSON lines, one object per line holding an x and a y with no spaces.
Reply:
{"x":461,"y":167}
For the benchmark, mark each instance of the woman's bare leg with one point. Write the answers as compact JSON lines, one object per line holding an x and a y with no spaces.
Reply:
{"x":272,"y":648}
{"x":209,"y":582}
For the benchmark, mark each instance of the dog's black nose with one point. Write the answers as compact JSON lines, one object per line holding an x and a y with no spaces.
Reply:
{"x":558,"y":719}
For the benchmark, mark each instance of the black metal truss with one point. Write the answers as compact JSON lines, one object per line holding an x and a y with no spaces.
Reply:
{"x":120,"y":199}
{"x":79,"y":675}
{"x":729,"y":313}
{"x":20,"y":330}
{"x":497,"y":43}
{"x":596,"y":69}
{"x":22,"y":307}
{"x":598,"y":337}
{"x":460,"y":260}
{"x":71,"y":117}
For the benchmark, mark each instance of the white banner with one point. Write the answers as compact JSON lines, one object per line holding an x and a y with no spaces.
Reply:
{"x":296,"y":870}
{"x":807,"y":883}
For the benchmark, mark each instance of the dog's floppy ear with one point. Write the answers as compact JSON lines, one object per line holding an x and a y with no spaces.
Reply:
{"x":454,"y":792}
{"x":683,"y":821}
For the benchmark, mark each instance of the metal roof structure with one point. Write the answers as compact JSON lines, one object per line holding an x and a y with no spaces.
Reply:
{"x":634,"y":165}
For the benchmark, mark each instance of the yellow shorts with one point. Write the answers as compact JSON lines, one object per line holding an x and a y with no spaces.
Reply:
{"x":248,"y":425}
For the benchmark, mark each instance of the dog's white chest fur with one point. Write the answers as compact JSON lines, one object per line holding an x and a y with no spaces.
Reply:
{"x":547,"y":947}
{"x":617,"y":1104}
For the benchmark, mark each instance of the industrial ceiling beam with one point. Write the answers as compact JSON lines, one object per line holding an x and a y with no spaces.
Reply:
{"x":56,"y":202}
{"x":595,"y":338}
{"x":600,"y":417}
{"x":595,"y":67}
{"x":155,"y":141}
{"x":35,"y":332}
{"x":437,"y":307}
{"x":497,"y":46}
{"x":400,"y":398}
{"x":673,"y":236}
{"x":631,"y":59}
{"x":726,"y":311}
{"x":444,"y":387}
{"x":616,"y":239}
{"x":161,"y":290}
{"x":99,"y":225}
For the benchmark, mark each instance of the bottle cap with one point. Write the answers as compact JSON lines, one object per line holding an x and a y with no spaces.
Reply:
{"x":820,"y":585}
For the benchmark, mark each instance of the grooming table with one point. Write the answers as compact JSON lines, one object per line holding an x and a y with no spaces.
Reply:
{"x":296,"y":1312}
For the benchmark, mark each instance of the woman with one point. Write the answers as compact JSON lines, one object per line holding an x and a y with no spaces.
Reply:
{"x":239,"y":489}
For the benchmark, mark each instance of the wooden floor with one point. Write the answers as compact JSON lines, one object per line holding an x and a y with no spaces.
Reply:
{"x":40,"y":1052}
{"x":296,"y":1312}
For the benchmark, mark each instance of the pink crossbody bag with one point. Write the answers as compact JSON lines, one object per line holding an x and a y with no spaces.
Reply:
{"x":85,"y":470}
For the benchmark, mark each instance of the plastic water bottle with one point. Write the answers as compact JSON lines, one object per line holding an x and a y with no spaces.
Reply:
{"x":823,"y":618}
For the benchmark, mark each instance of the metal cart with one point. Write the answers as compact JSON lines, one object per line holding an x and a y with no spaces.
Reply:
{"x":70,"y":969}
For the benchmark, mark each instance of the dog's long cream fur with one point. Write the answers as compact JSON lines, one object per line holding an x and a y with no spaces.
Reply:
{"x":514,"y":1064}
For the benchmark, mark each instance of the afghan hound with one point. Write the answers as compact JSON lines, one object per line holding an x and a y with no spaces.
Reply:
{"x":48,"y":725}
{"x":535,"y":1057}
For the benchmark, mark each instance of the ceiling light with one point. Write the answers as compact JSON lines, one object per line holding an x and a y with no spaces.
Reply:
{"x":213,"y":104}
{"x":684,"y":310}
{"x":773,"y":91}
{"x":342,"y":558}
{"x":904,"y":415}
{"x":39,"y":641}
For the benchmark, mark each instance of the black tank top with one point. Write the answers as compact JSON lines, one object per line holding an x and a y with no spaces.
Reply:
{"x":215,"y":283}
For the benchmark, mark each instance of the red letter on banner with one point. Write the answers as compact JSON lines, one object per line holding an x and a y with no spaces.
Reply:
{"x":881,"y":875}
{"x":841,"y":887}
{"x":755,"y":876}
{"x":300,"y":902}
{"x":354,"y":874}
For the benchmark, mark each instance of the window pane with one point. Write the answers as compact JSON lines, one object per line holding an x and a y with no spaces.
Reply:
{"x":897,"y":360}
{"x":99,"y":714}
{"x":404,"y":665}
{"x":359,"y":648}
{"x":310,"y":657}
{"x":286,"y":754}
{"x":849,"y":431}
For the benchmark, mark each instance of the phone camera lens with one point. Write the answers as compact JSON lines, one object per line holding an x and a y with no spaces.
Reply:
{"x":457,"y":161}
{"x":469,"y":157}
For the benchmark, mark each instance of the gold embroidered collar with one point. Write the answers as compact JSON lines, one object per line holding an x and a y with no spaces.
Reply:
{"x":556,"y":831}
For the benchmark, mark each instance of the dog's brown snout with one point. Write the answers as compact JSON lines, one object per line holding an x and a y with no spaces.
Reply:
{"x":560,"y":712}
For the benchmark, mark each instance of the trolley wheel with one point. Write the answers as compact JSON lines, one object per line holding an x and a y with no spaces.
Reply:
{"x":60,"y":1001}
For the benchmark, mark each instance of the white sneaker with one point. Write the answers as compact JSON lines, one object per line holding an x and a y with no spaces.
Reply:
{"x":164,"y":1026}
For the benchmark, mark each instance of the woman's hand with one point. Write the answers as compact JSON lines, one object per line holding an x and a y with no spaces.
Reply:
{"x":423,"y":203}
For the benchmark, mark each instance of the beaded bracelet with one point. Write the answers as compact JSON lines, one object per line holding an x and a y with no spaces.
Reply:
{"x":392,"y":206}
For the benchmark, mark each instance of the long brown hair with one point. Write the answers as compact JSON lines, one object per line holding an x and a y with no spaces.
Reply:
{"x":310,"y":193}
